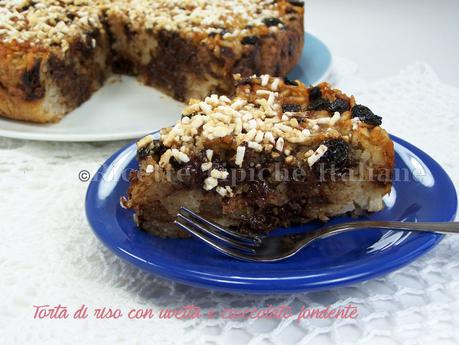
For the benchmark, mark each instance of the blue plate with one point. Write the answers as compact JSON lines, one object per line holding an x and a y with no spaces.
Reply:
{"x":422,"y":192}
{"x":315,"y":63}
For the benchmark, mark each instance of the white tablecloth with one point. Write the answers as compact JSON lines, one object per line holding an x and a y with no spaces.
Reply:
{"x":49,"y":255}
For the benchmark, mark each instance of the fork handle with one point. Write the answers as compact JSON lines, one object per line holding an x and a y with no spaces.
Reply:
{"x":437,"y":227}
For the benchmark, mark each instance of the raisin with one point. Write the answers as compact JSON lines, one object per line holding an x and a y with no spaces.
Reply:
{"x":175,"y":163}
{"x":315,"y":93}
{"x":250,"y":40}
{"x":366,"y":115}
{"x":143,"y":152}
{"x":69,"y":15}
{"x":191,"y":174}
{"x":290,"y":82}
{"x":336,"y":157}
{"x":258,"y":190}
{"x":158,"y":149}
{"x":258,"y":223}
{"x":272,"y":21}
{"x":155,"y":149}
{"x":319,"y":104}
{"x":294,"y":108}
{"x":339,"y":105}
{"x":298,"y":3}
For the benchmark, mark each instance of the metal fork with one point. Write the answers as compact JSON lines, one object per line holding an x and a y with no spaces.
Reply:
{"x":260,"y":248}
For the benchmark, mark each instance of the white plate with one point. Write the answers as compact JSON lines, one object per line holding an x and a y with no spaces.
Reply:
{"x":125,"y":109}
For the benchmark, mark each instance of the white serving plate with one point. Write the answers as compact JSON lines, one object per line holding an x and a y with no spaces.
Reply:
{"x":125,"y":109}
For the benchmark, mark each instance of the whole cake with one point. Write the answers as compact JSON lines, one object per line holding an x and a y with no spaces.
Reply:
{"x":54,"y":54}
{"x":277,"y":153}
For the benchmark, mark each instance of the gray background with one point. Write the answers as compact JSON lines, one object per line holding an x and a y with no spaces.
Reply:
{"x":384,"y":36}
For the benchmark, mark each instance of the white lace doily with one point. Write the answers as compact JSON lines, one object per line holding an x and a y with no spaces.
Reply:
{"x":49,"y":255}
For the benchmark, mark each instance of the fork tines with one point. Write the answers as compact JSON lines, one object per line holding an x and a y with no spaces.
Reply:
{"x":214,"y":234}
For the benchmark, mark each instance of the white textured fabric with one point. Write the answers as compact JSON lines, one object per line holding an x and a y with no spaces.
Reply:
{"x":48,"y":254}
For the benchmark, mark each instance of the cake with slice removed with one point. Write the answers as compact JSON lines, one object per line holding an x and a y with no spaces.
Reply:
{"x":276,"y":153}
{"x":54,"y":54}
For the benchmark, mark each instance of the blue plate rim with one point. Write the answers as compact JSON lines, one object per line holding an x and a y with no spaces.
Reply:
{"x":257,"y":285}
{"x":321,"y":49}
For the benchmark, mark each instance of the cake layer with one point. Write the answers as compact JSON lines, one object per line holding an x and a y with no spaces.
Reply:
{"x":275,"y":154}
